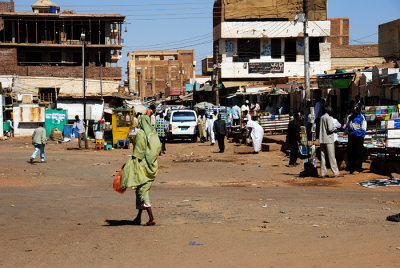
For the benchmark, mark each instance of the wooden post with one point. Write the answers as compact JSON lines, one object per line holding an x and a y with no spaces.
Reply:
{"x":99,"y":32}
{"x":54,"y":31}
{"x":18,"y":32}
{"x":119,"y":33}
{"x":26,"y":33}
{"x":36,"y":33}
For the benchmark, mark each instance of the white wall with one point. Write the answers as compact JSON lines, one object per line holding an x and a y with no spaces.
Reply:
{"x":270,"y":29}
{"x":94,"y":109}
{"x":67,"y":86}
{"x":24,"y":129}
{"x":230,"y":69}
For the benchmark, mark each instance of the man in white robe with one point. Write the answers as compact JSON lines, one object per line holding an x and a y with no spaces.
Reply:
{"x":257,"y":134}
{"x":209,"y":128}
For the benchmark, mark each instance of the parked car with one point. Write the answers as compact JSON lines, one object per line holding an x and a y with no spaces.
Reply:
{"x":182,"y":125}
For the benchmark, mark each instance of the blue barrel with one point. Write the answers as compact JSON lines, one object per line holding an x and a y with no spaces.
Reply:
{"x":68,"y":131}
{"x":53,"y":9}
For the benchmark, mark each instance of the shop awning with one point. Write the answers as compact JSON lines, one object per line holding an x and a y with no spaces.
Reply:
{"x":235,"y":84}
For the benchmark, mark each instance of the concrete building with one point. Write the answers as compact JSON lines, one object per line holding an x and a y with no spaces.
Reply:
{"x":346,"y":56}
{"x":151,"y":73}
{"x":259,"y":42}
{"x":41,"y":54}
{"x":389,"y":40}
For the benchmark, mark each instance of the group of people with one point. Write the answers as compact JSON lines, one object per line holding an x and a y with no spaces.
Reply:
{"x":355,"y":127}
{"x":39,"y":139}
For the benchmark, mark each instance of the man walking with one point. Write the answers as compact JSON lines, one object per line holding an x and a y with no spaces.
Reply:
{"x":162,"y":129}
{"x":220,"y":132}
{"x":293,"y":139}
{"x":210,"y":128}
{"x":327,"y":141}
{"x":39,"y":141}
{"x":236,"y":115}
{"x":81,"y":128}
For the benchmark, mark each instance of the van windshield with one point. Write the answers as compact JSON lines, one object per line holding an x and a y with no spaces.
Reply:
{"x":183,"y":117}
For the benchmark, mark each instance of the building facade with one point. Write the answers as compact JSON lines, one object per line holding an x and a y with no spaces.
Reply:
{"x":262,"y":41}
{"x":346,"y":56}
{"x":152,"y":73}
{"x":389,"y":40}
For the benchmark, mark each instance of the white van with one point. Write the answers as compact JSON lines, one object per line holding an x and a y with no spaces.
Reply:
{"x":182,"y":125}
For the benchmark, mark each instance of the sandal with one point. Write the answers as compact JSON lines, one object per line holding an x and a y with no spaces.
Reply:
{"x":151,"y":223}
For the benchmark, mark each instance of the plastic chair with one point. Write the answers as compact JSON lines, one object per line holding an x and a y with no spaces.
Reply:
{"x":119,"y":143}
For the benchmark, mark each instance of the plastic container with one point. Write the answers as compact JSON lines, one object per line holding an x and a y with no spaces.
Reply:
{"x":99,"y":135}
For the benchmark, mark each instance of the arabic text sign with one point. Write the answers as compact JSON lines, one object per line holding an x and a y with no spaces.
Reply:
{"x":266,"y":67}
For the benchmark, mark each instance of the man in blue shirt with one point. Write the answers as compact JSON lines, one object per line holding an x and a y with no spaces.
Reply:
{"x":236,"y":115}
{"x":162,"y":129}
{"x":355,"y":128}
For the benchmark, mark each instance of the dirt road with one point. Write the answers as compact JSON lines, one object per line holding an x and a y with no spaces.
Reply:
{"x":245,"y":210}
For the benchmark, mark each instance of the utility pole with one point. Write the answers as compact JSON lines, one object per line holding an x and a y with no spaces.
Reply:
{"x":101,"y":77}
{"x":306,"y":91}
{"x":83,"y":76}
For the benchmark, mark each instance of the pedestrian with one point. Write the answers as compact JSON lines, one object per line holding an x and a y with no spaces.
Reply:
{"x":246,"y":116}
{"x":201,"y":126}
{"x":39,"y":142}
{"x":318,"y":112}
{"x":356,"y":128}
{"x":236,"y":115}
{"x":209,"y":127}
{"x":257,"y":134}
{"x":80,"y":126}
{"x":327,"y":143}
{"x":142,"y":168}
{"x":162,"y":130}
{"x":269,"y":109}
{"x":220,"y":132}
{"x":293,"y":139}
{"x":245,"y":106}
{"x":153,"y":118}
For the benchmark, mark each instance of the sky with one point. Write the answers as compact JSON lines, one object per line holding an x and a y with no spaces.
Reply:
{"x":187,"y":24}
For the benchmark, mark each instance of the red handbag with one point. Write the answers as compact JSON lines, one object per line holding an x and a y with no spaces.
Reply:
{"x":117,"y":182}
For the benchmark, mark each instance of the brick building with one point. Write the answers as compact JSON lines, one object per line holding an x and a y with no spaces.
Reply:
{"x":348,"y":56}
{"x":41,"y":55}
{"x":153,"y":72}
{"x":32,"y":42}
{"x":389,"y":40}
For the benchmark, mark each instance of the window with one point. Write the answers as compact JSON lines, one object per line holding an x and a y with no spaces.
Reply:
{"x":34,"y":57}
{"x":55,"y":57}
{"x":290,"y":50}
{"x":276,"y":48}
{"x":314,"y":49}
{"x":48,"y":95}
{"x":183,"y":117}
{"x":248,"y":49}
{"x":149,"y":86}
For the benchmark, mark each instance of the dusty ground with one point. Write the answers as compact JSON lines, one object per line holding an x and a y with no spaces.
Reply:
{"x":246,"y":210}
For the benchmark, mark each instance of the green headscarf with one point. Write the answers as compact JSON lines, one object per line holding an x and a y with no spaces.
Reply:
{"x":150,"y":140}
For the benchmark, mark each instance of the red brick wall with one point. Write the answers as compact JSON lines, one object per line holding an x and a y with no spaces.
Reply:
{"x":7,"y":7}
{"x":9,"y":66}
{"x":339,"y":32}
{"x":355,"y":51}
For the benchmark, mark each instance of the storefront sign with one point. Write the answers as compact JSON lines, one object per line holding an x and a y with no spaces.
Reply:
{"x":266,"y":67}
{"x":325,"y":83}
{"x":175,"y":91}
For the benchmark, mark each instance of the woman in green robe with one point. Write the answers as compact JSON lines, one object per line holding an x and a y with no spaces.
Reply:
{"x":142,"y":168}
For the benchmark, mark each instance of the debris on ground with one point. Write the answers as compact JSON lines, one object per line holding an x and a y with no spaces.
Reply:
{"x":381,"y":183}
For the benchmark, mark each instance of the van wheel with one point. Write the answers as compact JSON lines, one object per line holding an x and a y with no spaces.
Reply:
{"x":194,"y":138}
